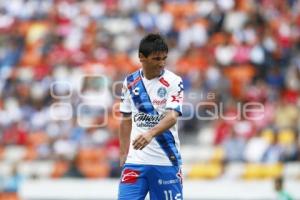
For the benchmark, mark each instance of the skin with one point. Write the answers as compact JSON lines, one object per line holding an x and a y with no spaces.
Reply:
{"x":153,"y":64}
{"x":124,"y":135}
{"x":142,"y":140}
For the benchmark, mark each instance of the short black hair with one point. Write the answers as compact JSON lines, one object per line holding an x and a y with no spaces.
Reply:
{"x":152,"y":42}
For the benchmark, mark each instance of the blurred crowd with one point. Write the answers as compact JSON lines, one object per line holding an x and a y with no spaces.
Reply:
{"x":62,"y":63}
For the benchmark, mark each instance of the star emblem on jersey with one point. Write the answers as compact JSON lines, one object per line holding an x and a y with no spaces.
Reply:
{"x":136,"y":91}
{"x":176,"y":98}
{"x":161,"y":92}
{"x":180,"y":85}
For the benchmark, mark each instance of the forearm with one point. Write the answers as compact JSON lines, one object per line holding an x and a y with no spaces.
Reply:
{"x":124,"y":134}
{"x":167,"y":122}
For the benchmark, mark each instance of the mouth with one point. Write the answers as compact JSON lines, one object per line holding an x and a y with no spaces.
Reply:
{"x":159,"y":70}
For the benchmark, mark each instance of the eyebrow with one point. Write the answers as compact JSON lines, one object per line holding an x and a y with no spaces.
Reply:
{"x":158,"y":58}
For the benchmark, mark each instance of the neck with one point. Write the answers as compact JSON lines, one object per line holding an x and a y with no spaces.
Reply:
{"x":149,"y":75}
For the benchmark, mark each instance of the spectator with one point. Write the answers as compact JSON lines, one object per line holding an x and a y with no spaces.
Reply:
{"x":255,"y":148}
{"x":73,"y":170}
{"x":13,"y":183}
{"x":279,"y":188}
{"x":274,"y":153}
{"x":234,"y":147}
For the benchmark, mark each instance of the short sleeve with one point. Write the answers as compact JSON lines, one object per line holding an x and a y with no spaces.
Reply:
{"x":125,"y":105}
{"x":175,"y":96}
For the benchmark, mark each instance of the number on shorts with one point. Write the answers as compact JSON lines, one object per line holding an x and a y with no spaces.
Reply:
{"x":168,"y":193}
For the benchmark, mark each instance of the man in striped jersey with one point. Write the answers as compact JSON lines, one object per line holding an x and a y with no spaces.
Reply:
{"x":149,"y":146}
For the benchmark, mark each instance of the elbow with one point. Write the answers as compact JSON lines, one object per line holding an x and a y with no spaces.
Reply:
{"x":172,"y":115}
{"x":173,"y":120}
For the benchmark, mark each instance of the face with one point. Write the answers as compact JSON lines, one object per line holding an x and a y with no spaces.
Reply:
{"x":154,"y":63}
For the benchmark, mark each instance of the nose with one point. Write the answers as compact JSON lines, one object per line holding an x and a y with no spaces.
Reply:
{"x":162,"y":63}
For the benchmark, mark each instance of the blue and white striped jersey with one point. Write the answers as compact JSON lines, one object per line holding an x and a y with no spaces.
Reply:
{"x":147,"y":101}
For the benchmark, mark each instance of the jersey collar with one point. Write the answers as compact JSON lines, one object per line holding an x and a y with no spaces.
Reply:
{"x":160,"y":75}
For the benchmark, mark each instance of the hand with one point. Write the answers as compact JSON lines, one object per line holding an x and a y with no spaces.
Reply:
{"x":123,"y":158}
{"x":142,"y":140}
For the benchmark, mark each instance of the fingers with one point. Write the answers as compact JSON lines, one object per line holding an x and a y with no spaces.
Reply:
{"x":139,"y":143}
{"x":122,"y":160}
{"x":136,"y":141}
{"x":121,"y":163}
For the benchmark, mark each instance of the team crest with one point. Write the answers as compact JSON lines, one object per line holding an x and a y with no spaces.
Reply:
{"x":161,"y":92}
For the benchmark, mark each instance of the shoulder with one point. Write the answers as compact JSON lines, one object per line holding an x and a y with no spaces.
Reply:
{"x":134,"y":74}
{"x":171,"y":77}
{"x":132,"y":78}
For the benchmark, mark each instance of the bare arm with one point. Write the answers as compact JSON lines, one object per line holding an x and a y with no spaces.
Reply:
{"x":167,"y":122}
{"x":124,"y":136}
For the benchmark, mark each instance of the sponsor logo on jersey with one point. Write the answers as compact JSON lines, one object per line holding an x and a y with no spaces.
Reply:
{"x":176,"y":98}
{"x":168,"y":182}
{"x":159,"y":102}
{"x":130,"y":176}
{"x":164,"y":82}
{"x":134,"y":82}
{"x":146,"y":120}
{"x":161,"y":92}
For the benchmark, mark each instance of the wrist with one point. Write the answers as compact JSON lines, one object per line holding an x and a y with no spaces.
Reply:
{"x":152,"y":133}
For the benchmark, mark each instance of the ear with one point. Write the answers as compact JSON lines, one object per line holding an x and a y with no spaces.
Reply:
{"x":142,"y":57}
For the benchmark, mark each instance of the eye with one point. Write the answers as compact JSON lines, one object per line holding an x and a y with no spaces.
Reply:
{"x":159,"y":58}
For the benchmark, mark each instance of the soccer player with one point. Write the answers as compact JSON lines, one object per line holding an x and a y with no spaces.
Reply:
{"x":149,"y":146}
